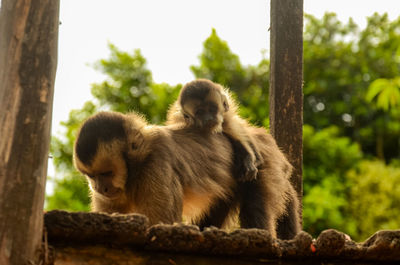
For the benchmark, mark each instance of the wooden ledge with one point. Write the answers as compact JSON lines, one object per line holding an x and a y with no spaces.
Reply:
{"x":94,"y":233}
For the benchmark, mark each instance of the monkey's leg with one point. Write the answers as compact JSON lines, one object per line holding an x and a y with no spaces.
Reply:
{"x":289,"y":225}
{"x":253,"y":213}
{"x":217,"y":215}
{"x":244,"y":165}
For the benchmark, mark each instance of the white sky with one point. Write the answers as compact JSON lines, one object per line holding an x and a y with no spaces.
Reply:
{"x":170,"y":34}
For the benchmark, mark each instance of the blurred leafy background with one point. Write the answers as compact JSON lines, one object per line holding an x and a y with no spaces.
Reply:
{"x":351,"y":115}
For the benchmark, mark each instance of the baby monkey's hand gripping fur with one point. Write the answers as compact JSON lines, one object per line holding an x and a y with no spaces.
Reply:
{"x":209,"y":108}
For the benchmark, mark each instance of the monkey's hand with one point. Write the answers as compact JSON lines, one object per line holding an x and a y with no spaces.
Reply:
{"x":245,"y":161}
{"x":247,"y":169}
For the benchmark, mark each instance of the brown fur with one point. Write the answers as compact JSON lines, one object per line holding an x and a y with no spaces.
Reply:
{"x":165,"y":172}
{"x":168,"y":172}
{"x":209,"y":108}
{"x":274,"y":174}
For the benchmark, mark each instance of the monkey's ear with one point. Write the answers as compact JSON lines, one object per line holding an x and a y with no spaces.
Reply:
{"x":136,"y":140}
{"x":186,"y":116}
{"x":225,"y":102}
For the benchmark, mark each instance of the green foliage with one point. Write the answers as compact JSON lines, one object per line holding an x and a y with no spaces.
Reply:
{"x":130,"y":86}
{"x":71,"y":191}
{"x":386,"y":92}
{"x":351,"y":111}
{"x":327,"y":71}
{"x":249,"y":83}
{"x":323,"y":207}
{"x":340,"y":61}
{"x":327,"y":158}
{"x":337,"y":156}
{"x":375,"y":197}
{"x":219,"y":64}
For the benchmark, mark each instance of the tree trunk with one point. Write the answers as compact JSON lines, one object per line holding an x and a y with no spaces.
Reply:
{"x":28,"y":59}
{"x":286,"y":82}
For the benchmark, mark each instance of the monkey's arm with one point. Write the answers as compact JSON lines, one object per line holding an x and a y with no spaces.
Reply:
{"x":246,"y":154}
{"x":159,"y":194}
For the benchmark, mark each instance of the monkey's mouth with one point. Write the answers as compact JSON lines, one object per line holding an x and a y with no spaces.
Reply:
{"x":207,"y":125}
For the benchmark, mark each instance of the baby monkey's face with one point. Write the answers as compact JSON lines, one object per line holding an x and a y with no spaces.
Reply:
{"x":206,"y":113}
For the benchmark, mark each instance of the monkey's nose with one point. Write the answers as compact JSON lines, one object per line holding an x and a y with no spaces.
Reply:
{"x":208,"y":118}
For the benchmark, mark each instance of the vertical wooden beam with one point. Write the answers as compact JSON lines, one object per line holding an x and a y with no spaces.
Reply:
{"x":28,"y":59}
{"x":286,"y":82}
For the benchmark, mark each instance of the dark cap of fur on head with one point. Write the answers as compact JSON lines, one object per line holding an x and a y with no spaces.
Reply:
{"x":102,"y":127}
{"x":197,"y":89}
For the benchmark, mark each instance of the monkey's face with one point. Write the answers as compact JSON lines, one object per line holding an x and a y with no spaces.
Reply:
{"x":107,"y":172}
{"x":104,"y":144}
{"x":206,"y":113}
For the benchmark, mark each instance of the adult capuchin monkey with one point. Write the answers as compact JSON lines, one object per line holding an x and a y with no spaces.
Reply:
{"x":165,"y":172}
{"x":208,"y":108}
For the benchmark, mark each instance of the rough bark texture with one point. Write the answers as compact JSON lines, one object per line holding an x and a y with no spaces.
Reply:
{"x":286,"y":82}
{"x":90,"y":228}
{"x":28,"y":58}
{"x":92,"y":238}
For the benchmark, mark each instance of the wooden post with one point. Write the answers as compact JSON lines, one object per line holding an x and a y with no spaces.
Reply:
{"x":28,"y":59}
{"x":286,"y":82}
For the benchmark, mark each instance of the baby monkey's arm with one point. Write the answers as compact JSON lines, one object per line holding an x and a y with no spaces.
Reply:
{"x":208,"y":107}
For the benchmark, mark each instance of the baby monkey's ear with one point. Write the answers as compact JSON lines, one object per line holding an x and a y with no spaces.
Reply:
{"x":225,"y":102}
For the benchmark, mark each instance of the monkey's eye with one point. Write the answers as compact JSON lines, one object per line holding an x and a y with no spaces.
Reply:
{"x":105,"y":174}
{"x":133,"y":146}
{"x":186,"y":116}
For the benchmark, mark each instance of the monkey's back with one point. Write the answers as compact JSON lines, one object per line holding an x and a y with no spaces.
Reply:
{"x":203,"y":165}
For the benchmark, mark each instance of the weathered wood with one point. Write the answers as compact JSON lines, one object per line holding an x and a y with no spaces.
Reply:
{"x":94,"y":238}
{"x":100,"y":255}
{"x":28,"y":58}
{"x":286,"y":82}
{"x":81,"y":227}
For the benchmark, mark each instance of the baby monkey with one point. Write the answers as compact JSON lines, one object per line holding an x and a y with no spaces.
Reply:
{"x":207,"y":107}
